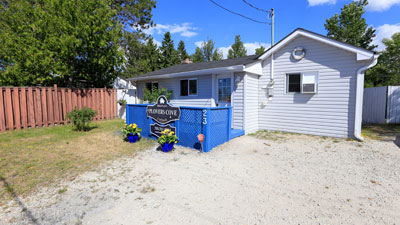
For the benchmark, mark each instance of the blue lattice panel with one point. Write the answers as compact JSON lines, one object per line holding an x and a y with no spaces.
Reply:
{"x":219,"y":126}
{"x":137,"y":114}
{"x":190,"y":126}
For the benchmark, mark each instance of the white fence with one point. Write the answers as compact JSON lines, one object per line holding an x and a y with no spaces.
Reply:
{"x":381,"y":105}
{"x":130,"y":97}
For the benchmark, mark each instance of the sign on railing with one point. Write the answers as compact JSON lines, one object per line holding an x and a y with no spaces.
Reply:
{"x":162,"y":112}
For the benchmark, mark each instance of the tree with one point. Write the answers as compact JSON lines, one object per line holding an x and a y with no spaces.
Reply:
{"x":207,"y":52}
{"x":217,"y":55}
{"x":387,"y":71}
{"x":350,"y":26}
{"x":260,"y":50}
{"x":169,"y":56}
{"x":237,"y":49}
{"x":197,"y":56}
{"x":43,"y":42}
{"x":133,"y":13}
{"x":182,"y":51}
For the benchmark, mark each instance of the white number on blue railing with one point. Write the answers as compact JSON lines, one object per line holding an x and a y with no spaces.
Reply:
{"x":204,"y":116}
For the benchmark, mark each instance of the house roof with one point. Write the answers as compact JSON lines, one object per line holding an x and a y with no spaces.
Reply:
{"x":242,"y":63}
{"x":362,"y":54}
{"x":181,"y":68}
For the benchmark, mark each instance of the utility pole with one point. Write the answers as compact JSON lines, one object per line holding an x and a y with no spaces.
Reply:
{"x":272,"y":16}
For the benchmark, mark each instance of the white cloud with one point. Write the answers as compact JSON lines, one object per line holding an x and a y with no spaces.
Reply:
{"x":157,"y":42}
{"x":184,"y":29}
{"x":320,"y":2}
{"x":381,"y":5}
{"x":385,"y":31}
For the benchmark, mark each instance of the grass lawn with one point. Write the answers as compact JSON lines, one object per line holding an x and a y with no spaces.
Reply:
{"x":381,"y":131}
{"x":37,"y":157}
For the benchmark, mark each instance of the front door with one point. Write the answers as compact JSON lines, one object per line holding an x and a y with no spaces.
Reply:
{"x":224,"y":90}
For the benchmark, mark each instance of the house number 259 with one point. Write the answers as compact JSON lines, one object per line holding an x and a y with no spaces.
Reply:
{"x":204,"y":116}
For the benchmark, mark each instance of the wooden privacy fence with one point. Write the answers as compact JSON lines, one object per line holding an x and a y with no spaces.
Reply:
{"x":23,"y":107}
{"x":381,"y":105}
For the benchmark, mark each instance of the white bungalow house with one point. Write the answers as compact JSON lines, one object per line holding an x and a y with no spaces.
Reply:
{"x":306,"y":83}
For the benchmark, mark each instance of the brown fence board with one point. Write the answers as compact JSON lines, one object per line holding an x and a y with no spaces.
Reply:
{"x":2,"y":114}
{"x":23,"y":107}
{"x":24,"y":112}
{"x":30,"y":107}
{"x":16,"y":108}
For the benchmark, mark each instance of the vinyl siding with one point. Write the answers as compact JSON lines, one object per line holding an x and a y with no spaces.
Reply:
{"x":202,"y":99}
{"x":252,"y":103}
{"x":238,"y":102}
{"x":331,"y":111}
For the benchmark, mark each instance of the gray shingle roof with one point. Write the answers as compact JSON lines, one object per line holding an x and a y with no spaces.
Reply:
{"x":203,"y":65}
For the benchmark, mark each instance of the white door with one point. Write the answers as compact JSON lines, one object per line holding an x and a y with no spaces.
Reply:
{"x":224,"y":90}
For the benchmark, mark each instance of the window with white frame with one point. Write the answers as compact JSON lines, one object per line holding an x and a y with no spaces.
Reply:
{"x":302,"y":82}
{"x":151,"y":86}
{"x":188,"y":87}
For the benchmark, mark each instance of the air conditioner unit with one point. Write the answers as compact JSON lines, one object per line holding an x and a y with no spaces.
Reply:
{"x":309,"y":82}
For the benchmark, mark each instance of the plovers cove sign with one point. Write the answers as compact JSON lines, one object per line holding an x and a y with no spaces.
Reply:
{"x":162,"y":112}
{"x":156,"y":129}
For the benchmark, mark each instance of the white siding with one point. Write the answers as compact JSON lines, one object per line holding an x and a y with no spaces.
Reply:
{"x":202,"y":99}
{"x":252,"y":103}
{"x":238,"y":101}
{"x":331,"y":111}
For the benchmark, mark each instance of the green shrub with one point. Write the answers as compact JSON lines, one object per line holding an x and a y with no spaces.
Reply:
{"x":81,"y":118}
{"x":152,"y":96}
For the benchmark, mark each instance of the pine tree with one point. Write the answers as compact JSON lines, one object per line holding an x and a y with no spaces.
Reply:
{"x":197,"y":56}
{"x":152,"y":55}
{"x":217,"y":55}
{"x":237,"y":49}
{"x":260,"y":50}
{"x":182,"y":51}
{"x":169,"y":56}
{"x":351,"y":27}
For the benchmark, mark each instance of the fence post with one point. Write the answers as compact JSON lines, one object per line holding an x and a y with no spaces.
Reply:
{"x":229,"y":123}
{"x":56,"y":106}
{"x":2,"y":117}
{"x":17,"y":112}
{"x":207,"y":130}
{"x":23,"y":104}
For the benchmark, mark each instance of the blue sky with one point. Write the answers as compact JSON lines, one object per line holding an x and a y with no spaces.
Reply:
{"x":194,"y":20}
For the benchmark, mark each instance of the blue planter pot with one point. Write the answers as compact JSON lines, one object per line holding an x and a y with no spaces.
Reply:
{"x":166,"y":147}
{"x":133,"y":138}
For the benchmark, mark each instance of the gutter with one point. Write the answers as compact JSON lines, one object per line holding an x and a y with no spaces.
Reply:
{"x":359,"y":97}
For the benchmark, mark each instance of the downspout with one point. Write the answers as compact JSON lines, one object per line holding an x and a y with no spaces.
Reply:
{"x":359,"y":97}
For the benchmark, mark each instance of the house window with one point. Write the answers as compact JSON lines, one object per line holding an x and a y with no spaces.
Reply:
{"x":151,"y":85}
{"x":302,"y":82}
{"x":293,"y":83}
{"x":188,"y":87}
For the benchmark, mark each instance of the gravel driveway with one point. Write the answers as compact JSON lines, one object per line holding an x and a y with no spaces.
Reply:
{"x":272,"y":179}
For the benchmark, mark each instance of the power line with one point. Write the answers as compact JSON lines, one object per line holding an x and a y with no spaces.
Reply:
{"x":252,"y":6}
{"x":257,"y":21}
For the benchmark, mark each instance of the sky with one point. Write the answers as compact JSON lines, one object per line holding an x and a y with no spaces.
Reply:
{"x":193,"y":21}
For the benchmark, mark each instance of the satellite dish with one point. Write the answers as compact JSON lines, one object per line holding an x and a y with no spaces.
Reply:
{"x":298,"y":53}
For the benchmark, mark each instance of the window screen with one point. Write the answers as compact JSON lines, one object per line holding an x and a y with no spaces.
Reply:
{"x":293,"y":82}
{"x":192,"y":87}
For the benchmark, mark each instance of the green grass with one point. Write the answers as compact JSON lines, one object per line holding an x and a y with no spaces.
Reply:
{"x":380,"y":132}
{"x":38,"y":157}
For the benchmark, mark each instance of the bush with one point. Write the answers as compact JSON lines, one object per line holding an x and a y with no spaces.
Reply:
{"x":81,"y":118}
{"x":152,"y":96}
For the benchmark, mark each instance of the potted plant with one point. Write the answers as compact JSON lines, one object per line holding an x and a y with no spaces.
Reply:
{"x":122,"y":102}
{"x":167,"y":140}
{"x":132,"y":132}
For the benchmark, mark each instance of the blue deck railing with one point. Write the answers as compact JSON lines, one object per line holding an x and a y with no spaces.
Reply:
{"x":213,"y":122}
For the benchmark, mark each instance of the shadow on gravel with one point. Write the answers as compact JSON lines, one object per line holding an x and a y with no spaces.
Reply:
{"x":21,"y":204}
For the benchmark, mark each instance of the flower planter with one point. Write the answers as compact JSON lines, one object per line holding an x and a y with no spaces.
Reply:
{"x":133,"y":138}
{"x":166,"y":147}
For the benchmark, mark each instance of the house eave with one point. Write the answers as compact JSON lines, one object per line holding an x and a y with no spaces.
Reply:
{"x":362,"y":54}
{"x":237,"y":68}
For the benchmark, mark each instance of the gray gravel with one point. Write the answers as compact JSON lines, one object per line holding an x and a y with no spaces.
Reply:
{"x":272,"y":179}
